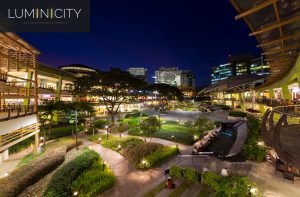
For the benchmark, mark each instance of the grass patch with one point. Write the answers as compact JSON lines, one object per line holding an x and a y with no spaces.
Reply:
{"x":94,"y":181}
{"x":115,"y":143}
{"x":156,"y":190}
{"x":178,"y":191}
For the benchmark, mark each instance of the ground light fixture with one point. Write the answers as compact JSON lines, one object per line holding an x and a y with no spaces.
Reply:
{"x":119,"y":146}
{"x":195,"y":137}
{"x":143,"y":161}
{"x":75,"y":193}
{"x":253,"y":191}
{"x":6,"y":174}
{"x":260,"y":143}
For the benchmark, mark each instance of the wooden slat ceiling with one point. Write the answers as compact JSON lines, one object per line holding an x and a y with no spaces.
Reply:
{"x":276,"y":26}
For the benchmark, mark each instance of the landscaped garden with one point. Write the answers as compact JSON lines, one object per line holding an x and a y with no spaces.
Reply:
{"x":142,"y":155}
{"x":233,"y":185}
{"x":187,"y":133}
{"x":86,"y":175}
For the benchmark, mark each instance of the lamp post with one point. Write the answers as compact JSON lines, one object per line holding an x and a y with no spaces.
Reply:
{"x":106,"y":127}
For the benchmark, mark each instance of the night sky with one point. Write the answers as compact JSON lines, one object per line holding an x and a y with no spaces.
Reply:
{"x":190,"y":34}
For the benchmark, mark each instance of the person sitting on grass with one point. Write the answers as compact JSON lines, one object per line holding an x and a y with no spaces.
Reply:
{"x":170,"y":184}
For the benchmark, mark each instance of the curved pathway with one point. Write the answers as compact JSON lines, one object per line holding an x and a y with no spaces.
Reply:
{"x":130,"y":181}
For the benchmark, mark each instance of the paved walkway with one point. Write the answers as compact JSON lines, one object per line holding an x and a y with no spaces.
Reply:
{"x":130,"y":181}
{"x":11,"y":163}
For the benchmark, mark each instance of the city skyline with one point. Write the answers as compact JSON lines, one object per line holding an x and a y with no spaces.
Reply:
{"x":152,"y":35}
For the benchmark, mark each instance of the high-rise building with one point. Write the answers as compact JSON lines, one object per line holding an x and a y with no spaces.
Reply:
{"x":183,"y":79}
{"x":240,"y":65}
{"x":139,"y":72}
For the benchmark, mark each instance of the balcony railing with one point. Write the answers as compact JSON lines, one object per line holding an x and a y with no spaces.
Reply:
{"x":13,"y":137}
{"x":14,"y":111}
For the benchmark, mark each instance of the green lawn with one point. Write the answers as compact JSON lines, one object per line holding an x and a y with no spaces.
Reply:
{"x":156,"y":190}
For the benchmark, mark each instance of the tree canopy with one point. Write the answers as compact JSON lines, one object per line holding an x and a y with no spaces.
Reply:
{"x":166,"y":91}
{"x":113,"y":88}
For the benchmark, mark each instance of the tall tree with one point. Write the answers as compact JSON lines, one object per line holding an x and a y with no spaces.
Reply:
{"x":113,"y":87}
{"x":166,"y":92}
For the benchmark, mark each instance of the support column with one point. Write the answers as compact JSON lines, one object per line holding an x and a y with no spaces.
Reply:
{"x":286,"y":93}
{"x":58,"y":88}
{"x":272,"y":94}
{"x":27,"y":88}
{"x":253,"y":95}
{"x":232,"y":101}
{"x":242,"y":101}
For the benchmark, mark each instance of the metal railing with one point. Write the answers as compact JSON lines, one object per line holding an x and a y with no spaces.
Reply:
{"x":14,"y":111}
{"x":9,"y":139}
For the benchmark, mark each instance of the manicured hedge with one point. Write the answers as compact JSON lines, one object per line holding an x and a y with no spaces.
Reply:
{"x":236,"y":185}
{"x":237,"y":114}
{"x":100,"y":124}
{"x":21,"y":178}
{"x":94,"y":181}
{"x":188,"y":174}
{"x":60,"y":184}
{"x":61,"y":132}
{"x":158,"y":156}
{"x":21,"y":145}
{"x":136,"y":154}
{"x":120,"y":128}
{"x":136,"y":131}
{"x":251,"y":149}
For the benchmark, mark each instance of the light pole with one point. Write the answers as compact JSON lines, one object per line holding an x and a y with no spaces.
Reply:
{"x":106,"y":127}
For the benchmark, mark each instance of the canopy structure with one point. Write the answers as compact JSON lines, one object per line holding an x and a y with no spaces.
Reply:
{"x":235,"y":84}
{"x":276,"y":26}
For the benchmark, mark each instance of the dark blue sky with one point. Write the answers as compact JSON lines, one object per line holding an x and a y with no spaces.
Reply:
{"x":190,"y":34}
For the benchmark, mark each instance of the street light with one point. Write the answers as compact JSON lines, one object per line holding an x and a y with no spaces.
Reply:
{"x":106,"y":127}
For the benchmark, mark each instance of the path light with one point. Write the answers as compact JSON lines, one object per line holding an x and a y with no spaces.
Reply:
{"x":177,"y":120}
{"x":195,"y":137}
{"x":143,"y":161}
{"x":6,"y":174}
{"x":253,"y":190}
{"x":75,"y":193}
{"x":89,"y":146}
{"x":99,"y":139}
{"x":172,"y":136}
{"x":119,"y":146}
{"x":260,"y":143}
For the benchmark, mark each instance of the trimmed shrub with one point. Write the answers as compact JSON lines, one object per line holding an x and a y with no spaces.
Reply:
{"x":136,"y":131}
{"x":100,"y":124}
{"x":211,"y":179}
{"x":223,"y":107}
{"x":94,"y":181}
{"x":192,"y":175}
{"x":135,"y":154}
{"x":203,"y":124}
{"x":176,"y":172}
{"x":157,"y":157}
{"x":237,"y":114}
{"x":60,"y":184}
{"x":251,"y":149}
{"x":250,"y":110}
{"x":21,"y":178}
{"x":120,"y":128}
{"x":21,"y":145}
{"x":134,"y":122}
{"x":59,"y":132}
{"x":145,"y":114}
